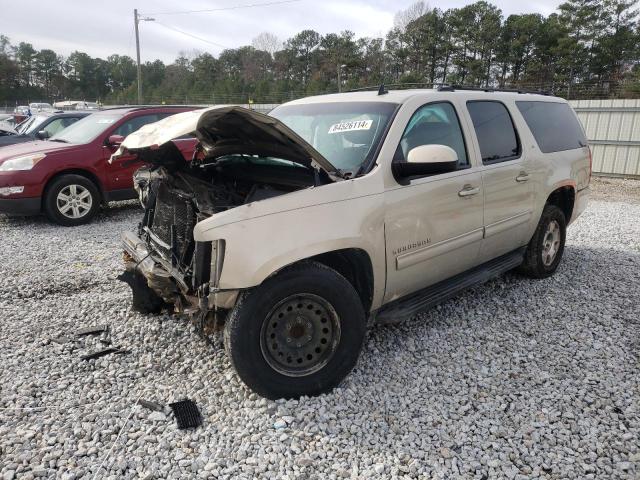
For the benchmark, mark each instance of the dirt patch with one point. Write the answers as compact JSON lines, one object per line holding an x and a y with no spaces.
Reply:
{"x":615,"y":190}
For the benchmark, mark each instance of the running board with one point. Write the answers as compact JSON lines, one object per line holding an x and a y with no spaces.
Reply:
{"x":406,"y":307}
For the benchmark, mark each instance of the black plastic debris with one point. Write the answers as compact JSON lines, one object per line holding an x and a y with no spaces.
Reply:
{"x":156,"y":407}
{"x":187,"y":414}
{"x":103,"y":352}
{"x":93,"y":330}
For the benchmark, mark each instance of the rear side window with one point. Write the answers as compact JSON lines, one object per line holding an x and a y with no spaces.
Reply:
{"x":553,"y":125}
{"x":494,"y":128}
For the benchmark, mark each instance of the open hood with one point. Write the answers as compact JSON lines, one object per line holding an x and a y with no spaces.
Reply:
{"x":225,"y":131}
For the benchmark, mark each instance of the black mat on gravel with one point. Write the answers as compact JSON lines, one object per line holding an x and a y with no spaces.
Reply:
{"x":187,"y":414}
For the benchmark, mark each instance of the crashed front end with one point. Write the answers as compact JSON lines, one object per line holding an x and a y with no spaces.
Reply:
{"x":180,"y":271}
{"x":242,"y":157}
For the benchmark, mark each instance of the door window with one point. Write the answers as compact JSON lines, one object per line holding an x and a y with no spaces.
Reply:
{"x":136,"y":123}
{"x":433,"y":124}
{"x":58,"y":125}
{"x":494,"y":128}
{"x":554,"y":126}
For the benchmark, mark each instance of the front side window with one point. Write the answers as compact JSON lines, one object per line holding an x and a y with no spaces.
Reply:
{"x":495,"y":131}
{"x":433,"y":124}
{"x":347,"y":134}
{"x":58,"y":125}
{"x":136,"y":123}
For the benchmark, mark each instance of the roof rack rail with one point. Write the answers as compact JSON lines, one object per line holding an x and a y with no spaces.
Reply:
{"x":453,"y":88}
{"x":446,"y":87}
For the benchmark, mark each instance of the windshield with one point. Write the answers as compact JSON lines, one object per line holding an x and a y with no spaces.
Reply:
{"x":346,"y":133}
{"x":86,"y":129}
{"x":31,"y":125}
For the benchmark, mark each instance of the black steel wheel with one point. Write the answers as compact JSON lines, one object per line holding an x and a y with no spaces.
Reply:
{"x":298,"y":333}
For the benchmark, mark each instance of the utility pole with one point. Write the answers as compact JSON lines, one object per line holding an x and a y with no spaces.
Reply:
{"x":136,"y":21}
{"x":340,"y":67}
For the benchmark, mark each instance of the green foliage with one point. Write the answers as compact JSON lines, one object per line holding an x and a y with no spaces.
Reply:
{"x":588,"y":46}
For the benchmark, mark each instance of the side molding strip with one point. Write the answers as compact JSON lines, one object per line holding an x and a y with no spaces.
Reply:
{"x":507,"y":224}
{"x":411,"y":258}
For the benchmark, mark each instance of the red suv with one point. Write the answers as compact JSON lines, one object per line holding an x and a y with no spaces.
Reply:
{"x":68,"y":176}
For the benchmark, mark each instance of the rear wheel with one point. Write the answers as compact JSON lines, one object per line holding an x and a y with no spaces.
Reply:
{"x":71,"y":200}
{"x":546,"y":247}
{"x":299,"y":333}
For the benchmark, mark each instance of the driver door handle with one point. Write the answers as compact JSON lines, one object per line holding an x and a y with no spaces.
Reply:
{"x":468,"y":190}
{"x":523,"y":177}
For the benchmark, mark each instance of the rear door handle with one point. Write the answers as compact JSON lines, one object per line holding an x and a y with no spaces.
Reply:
{"x":523,"y":177}
{"x":469,"y":190}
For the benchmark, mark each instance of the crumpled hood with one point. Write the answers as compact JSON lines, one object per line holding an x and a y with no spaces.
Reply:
{"x":225,"y":131}
{"x":7,"y":128}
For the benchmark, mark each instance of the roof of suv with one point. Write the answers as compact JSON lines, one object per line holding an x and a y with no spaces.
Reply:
{"x":401,"y":96}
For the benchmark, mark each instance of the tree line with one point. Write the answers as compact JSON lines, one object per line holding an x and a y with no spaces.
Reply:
{"x":585,"y":47}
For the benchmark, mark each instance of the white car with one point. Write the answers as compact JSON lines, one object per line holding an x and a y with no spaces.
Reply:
{"x":299,"y":229}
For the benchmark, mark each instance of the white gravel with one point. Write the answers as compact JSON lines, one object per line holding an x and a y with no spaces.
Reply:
{"x":512,"y":379}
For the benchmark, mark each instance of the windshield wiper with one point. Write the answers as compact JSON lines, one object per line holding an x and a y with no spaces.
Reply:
{"x":58,"y":140}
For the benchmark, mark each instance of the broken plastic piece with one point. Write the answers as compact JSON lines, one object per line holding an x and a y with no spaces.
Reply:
{"x":93,"y":330}
{"x":187,"y":414}
{"x":157,"y":407}
{"x":102,"y":353}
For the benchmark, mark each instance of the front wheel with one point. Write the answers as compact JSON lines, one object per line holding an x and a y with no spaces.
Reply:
{"x":546,"y":247}
{"x":71,"y":200}
{"x":299,"y":333}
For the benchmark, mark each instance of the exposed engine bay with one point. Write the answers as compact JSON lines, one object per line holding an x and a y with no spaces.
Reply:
{"x":242,"y":157}
{"x":179,"y":195}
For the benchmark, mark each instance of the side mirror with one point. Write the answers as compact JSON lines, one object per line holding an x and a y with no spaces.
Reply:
{"x":42,"y":135}
{"x":115,"y":140}
{"x":427,"y":160}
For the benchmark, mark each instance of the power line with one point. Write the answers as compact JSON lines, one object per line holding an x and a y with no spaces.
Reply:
{"x":190,"y":34}
{"x":251,"y":5}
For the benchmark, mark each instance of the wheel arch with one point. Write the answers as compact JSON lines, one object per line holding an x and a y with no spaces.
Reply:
{"x":563,"y":197}
{"x":354,"y":264}
{"x":76,"y":171}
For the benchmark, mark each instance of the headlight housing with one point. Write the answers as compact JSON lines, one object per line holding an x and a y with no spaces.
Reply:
{"x":26,"y":162}
{"x":217,"y":260}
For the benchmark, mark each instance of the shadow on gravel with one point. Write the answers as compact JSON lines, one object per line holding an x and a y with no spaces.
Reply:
{"x":113,"y":212}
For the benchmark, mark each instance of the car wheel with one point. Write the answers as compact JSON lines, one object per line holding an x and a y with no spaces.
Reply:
{"x":298,"y":333}
{"x":71,"y":200}
{"x":546,"y":247}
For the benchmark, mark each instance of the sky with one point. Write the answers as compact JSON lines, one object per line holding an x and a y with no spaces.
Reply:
{"x":103,"y":28}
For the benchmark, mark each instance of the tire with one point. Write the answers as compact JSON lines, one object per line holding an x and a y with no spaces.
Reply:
{"x":82,"y":204}
{"x":144,"y":299}
{"x":538,"y":261}
{"x":311,"y":364}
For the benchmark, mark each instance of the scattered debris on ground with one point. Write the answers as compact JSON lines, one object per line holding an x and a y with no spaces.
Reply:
{"x":516,"y":378}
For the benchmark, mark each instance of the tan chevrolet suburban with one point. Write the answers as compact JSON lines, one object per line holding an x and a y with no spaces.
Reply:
{"x":298,"y":230}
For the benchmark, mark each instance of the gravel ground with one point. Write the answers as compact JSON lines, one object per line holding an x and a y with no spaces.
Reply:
{"x":512,"y":379}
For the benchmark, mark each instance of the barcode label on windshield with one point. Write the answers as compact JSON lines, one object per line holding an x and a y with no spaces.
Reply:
{"x":351,"y":126}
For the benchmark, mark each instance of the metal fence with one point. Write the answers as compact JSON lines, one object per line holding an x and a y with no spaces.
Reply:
{"x":613,"y":130}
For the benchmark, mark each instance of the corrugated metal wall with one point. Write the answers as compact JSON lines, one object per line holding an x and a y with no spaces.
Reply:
{"x":613,"y":130}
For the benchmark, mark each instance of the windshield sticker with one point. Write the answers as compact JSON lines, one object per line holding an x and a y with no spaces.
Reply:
{"x":351,"y":126}
{"x":106,"y":120}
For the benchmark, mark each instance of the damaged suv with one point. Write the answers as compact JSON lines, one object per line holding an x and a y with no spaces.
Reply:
{"x":299,"y":229}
